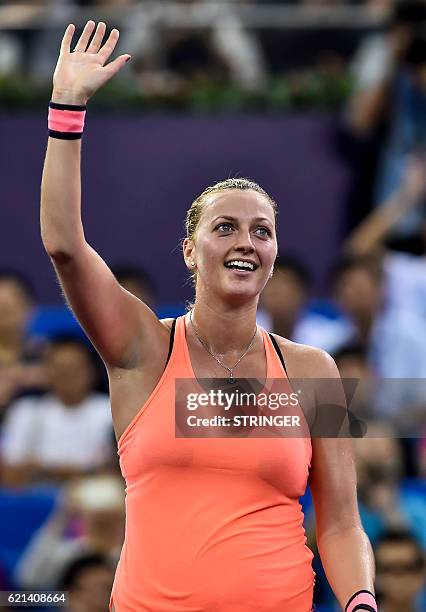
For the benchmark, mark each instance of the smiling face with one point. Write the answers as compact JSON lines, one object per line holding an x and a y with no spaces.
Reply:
{"x":235,"y":246}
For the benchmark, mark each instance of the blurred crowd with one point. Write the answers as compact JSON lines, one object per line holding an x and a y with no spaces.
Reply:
{"x":61,"y":493}
{"x":243,"y":42}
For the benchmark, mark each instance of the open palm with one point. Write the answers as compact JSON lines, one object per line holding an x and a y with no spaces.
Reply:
{"x":82,"y":71}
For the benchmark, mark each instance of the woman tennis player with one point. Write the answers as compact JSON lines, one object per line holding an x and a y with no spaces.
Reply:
{"x":212,"y":524}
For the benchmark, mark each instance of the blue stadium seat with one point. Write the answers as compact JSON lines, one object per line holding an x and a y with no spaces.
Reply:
{"x":22,"y":512}
{"x":51,"y":321}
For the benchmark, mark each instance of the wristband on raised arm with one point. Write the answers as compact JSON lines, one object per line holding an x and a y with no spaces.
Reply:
{"x":66,"y":121}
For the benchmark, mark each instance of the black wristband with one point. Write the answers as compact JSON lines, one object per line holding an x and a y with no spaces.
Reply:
{"x":74,"y":107}
{"x":65,"y":135}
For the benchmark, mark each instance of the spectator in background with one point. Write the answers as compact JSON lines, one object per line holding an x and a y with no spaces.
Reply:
{"x":88,"y":581}
{"x":405,"y":274}
{"x":166,"y":59}
{"x":16,"y":300}
{"x":64,"y":433}
{"x":352,"y":362}
{"x":137,"y":281}
{"x":384,"y":501}
{"x":358,"y":380}
{"x":363,"y":393}
{"x":285,"y":296}
{"x":89,"y":519}
{"x":388,"y":110}
{"x":400,"y":573}
{"x":356,"y":284}
{"x":358,"y":289}
{"x":20,"y":356}
{"x":392,"y":337}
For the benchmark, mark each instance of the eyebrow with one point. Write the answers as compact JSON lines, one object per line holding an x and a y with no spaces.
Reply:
{"x":227,"y":218}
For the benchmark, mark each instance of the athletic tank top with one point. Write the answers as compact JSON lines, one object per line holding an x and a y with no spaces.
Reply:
{"x":212,"y":524}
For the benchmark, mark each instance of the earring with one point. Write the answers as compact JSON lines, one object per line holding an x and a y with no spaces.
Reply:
{"x":192,"y":263}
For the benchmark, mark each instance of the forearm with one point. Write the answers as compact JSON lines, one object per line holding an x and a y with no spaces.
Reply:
{"x":348,"y":561}
{"x":366,"y":108}
{"x":374,"y":230}
{"x":60,"y":215}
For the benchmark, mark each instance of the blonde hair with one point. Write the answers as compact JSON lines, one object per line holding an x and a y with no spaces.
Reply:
{"x":194,"y":213}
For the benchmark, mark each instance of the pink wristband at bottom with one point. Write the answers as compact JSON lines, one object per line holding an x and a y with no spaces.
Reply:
{"x":362,"y":600}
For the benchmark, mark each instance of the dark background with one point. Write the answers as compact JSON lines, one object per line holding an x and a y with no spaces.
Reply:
{"x":141,"y":174}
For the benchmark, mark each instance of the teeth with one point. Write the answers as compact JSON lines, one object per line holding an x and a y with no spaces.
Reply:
{"x":240,"y":264}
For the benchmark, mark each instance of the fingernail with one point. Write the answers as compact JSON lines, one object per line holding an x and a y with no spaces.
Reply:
{"x":128,"y":59}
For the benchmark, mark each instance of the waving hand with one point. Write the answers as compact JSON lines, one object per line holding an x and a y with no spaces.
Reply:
{"x":81,"y":72}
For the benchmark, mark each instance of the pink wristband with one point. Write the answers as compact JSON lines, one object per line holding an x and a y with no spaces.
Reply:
{"x":66,"y":121}
{"x":362,"y":600}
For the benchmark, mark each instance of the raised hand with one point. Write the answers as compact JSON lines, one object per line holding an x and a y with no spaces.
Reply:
{"x":81,"y":72}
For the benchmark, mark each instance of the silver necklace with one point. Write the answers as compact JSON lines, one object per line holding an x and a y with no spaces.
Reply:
{"x":203,"y":343}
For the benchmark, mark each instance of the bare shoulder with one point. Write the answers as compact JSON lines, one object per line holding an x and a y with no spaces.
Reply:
{"x":306,"y":361}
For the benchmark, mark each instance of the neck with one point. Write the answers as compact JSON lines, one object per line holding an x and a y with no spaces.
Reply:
{"x":225,"y":328}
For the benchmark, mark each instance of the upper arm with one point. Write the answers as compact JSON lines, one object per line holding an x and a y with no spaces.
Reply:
{"x":118,"y":324}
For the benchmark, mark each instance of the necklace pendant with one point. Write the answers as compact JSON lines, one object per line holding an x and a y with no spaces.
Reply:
{"x":232,"y":380}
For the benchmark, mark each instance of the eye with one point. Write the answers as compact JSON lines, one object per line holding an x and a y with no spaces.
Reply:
{"x":263,"y":231}
{"x":224,"y":227}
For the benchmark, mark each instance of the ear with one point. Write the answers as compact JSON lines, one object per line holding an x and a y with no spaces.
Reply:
{"x":188,"y":248}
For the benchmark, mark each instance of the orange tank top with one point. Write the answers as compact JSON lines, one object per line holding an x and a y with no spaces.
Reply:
{"x":212,"y":524}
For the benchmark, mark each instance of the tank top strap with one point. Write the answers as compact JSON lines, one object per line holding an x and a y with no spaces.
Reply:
{"x":274,"y":356}
{"x":171,"y":342}
{"x":179,"y":357}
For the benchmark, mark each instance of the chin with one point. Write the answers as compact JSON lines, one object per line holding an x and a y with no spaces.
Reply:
{"x":240,"y":293}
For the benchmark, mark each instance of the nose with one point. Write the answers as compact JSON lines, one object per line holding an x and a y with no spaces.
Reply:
{"x":244,"y":242}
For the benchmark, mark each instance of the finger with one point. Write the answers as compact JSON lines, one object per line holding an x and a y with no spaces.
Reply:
{"x":109,"y":46}
{"x":67,"y":38}
{"x":85,"y":36}
{"x":97,"y":39}
{"x":116,"y":65}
